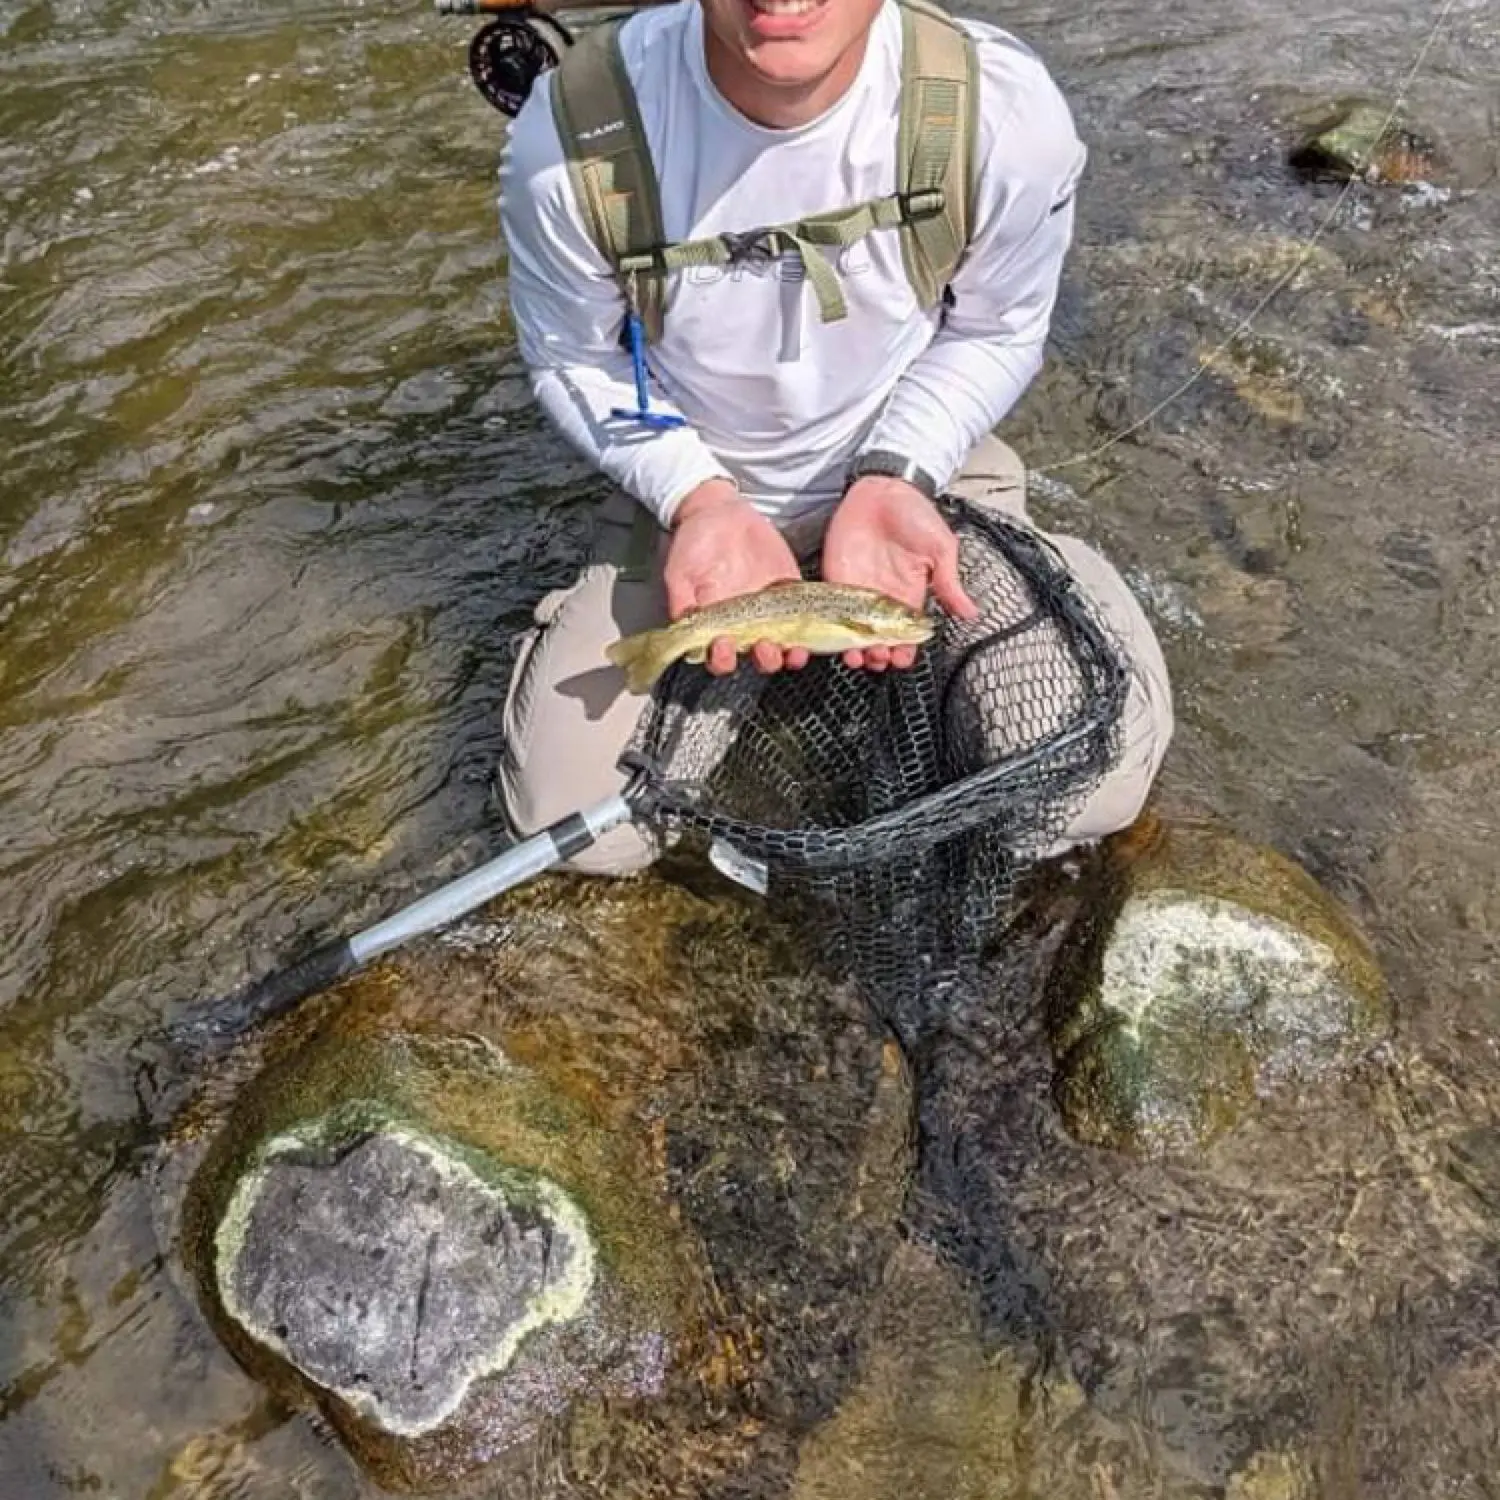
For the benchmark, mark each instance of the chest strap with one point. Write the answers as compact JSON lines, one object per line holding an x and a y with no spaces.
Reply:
{"x":801,"y":240}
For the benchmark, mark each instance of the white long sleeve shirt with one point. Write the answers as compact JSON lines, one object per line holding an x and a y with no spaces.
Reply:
{"x":774,"y":399}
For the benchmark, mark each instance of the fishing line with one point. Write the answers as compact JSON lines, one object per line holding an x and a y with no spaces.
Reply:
{"x":1207,"y":361}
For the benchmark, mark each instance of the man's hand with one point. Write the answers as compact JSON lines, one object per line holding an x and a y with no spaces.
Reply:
{"x":722,"y":546}
{"x":887,"y":535}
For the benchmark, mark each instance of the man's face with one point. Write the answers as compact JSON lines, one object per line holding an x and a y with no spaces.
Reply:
{"x":771,"y":52}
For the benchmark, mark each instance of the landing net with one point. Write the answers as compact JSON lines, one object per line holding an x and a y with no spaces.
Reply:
{"x":893,"y":813}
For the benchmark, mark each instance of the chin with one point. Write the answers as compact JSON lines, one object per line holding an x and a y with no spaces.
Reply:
{"x":787,"y":65}
{"x":762,"y":51}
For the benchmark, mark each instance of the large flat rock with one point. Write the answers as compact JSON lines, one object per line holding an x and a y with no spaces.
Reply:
{"x":392,"y":1274}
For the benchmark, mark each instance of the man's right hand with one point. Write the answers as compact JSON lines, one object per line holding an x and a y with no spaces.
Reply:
{"x":722,"y":546}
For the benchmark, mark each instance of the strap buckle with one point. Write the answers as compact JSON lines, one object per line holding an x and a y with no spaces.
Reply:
{"x":923,"y":203}
{"x":753,"y":247}
{"x":642,"y":263}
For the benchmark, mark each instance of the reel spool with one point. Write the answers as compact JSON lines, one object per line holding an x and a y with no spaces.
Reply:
{"x":509,"y":54}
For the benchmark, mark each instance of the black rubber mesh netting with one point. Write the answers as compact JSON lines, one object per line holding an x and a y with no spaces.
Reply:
{"x":894,"y":812}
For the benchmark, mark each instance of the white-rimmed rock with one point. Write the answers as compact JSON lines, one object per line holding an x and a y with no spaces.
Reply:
{"x":1215,"y":971}
{"x":393,"y":1274}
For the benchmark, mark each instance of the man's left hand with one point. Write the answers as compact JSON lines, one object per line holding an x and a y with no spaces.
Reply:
{"x":887,"y":535}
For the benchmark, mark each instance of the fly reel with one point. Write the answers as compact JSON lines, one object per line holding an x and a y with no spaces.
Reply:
{"x":510,"y":53}
{"x":522,"y":41}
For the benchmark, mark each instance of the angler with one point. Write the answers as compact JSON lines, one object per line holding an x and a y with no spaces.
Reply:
{"x":749,"y":421}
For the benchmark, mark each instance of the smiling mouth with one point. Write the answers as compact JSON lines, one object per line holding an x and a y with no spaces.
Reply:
{"x":785,"y":18}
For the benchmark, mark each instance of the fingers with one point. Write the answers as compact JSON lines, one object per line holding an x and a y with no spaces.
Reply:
{"x":878,"y":658}
{"x":721,"y":657}
{"x":767,"y":658}
{"x":948,"y":589}
{"x":772,"y":658}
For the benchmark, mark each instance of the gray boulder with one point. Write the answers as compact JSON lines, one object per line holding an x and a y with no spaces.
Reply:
{"x":395,"y":1270}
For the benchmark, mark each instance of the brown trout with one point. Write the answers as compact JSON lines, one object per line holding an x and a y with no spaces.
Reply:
{"x":823,"y":618}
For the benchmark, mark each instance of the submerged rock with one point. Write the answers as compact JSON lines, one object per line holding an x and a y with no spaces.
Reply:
{"x":1357,"y":138}
{"x":1273,"y":1475}
{"x":1214,"y":971}
{"x":598,"y":1184}
{"x":432,"y":1245}
{"x":1238,"y":607}
{"x":938,"y":1416}
{"x":1473,"y":1158}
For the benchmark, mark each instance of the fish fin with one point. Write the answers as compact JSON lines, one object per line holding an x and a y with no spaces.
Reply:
{"x":696,"y":657}
{"x":863,"y":630}
{"x":643,"y":657}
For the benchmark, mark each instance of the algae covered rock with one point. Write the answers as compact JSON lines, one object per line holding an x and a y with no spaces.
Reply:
{"x":393,"y":1272}
{"x":595,"y":1185}
{"x":430,"y":1244}
{"x":1358,"y":138}
{"x":1214,"y":970}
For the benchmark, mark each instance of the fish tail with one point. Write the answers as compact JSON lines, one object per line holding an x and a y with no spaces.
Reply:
{"x":643,"y":658}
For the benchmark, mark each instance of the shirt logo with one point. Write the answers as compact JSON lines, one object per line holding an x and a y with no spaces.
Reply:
{"x":850,"y":260}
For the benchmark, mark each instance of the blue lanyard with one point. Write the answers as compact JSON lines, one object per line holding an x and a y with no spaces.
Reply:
{"x":658,"y":421}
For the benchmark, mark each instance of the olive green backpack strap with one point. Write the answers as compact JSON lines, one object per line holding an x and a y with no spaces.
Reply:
{"x":610,"y":166}
{"x":937,"y":145}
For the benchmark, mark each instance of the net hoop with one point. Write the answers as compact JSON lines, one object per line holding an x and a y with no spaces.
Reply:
{"x":1001,"y":797}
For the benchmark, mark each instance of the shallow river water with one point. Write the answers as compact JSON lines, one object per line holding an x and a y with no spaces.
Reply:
{"x":274,"y":501}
